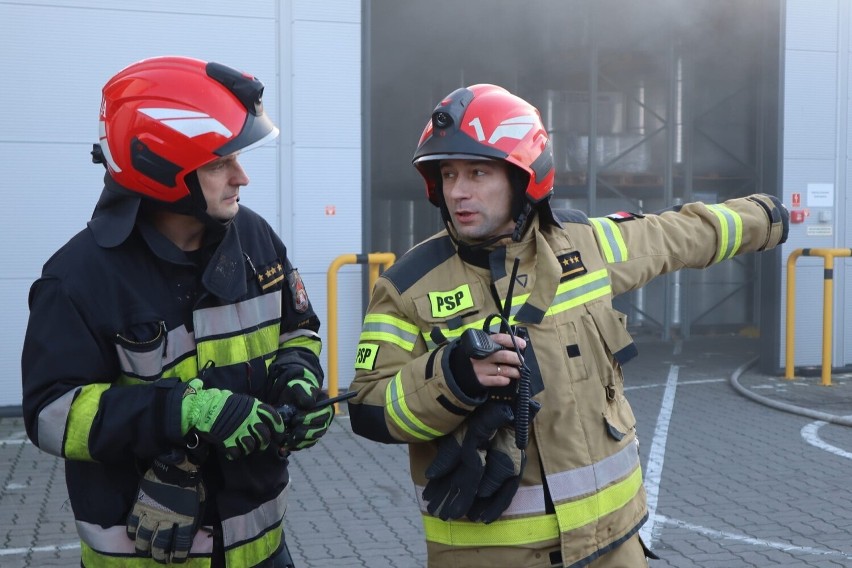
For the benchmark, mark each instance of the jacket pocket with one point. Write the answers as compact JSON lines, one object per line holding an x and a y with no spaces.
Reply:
{"x":141,"y":349}
{"x":618,"y":416}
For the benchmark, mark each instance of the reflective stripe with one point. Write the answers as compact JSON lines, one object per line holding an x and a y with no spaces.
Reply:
{"x":732,"y":231}
{"x":509,"y":532}
{"x":379,"y":327}
{"x":568,"y":295}
{"x":402,"y":416}
{"x":52,"y":421}
{"x":249,"y":539}
{"x":588,"y":479}
{"x":236,"y":318}
{"x":264,"y":525}
{"x":239,"y":348}
{"x":575,"y":514}
{"x":591,"y":492}
{"x":580,"y":290}
{"x":311,"y":343}
{"x":527,"y":501}
{"x":610,"y":238}
{"x":80,"y":419}
{"x":571,"y":484}
{"x":105,"y":543}
{"x":539,"y":528}
{"x":255,"y":522}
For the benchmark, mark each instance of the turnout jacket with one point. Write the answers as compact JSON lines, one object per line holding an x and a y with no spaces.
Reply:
{"x":113,"y":333}
{"x":581,"y":494}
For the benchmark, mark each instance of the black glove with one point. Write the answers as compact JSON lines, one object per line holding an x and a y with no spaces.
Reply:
{"x":504,"y":468}
{"x":455,"y":473}
{"x":168,"y":508}
{"x":294,"y":385}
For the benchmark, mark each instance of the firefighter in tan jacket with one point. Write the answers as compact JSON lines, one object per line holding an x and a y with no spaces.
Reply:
{"x":493,"y":350}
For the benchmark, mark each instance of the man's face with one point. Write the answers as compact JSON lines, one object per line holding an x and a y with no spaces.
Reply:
{"x":220,"y":183}
{"x":479,"y":197}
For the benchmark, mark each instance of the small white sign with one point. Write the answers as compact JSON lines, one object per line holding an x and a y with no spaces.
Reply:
{"x":820,"y":195}
{"x":820,"y":230}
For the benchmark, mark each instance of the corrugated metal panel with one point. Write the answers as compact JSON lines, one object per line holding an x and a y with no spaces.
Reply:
{"x":327,"y":10}
{"x":810,"y":105}
{"x":50,"y":95}
{"x":812,"y":25}
{"x":326,"y":86}
{"x":63,"y":76}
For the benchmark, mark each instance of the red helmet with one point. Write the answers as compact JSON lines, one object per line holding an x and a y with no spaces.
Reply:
{"x":487,"y":121}
{"x":164,"y":117}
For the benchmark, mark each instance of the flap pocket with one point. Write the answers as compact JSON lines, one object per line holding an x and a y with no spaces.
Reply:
{"x":618,"y":417}
{"x":612,"y":325}
{"x":141,"y":349}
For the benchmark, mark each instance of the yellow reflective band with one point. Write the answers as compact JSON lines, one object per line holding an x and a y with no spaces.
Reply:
{"x":569,"y":294}
{"x":239,"y":348}
{"x":732,"y":231}
{"x":584,"y":511}
{"x":80,"y":418}
{"x":366,"y":357}
{"x":509,"y":532}
{"x":380,"y":327}
{"x":402,"y":416}
{"x":611,"y":240}
{"x":91,"y":557}
{"x":580,"y":290}
{"x":185,"y":370}
{"x":445,"y":304}
{"x":256,"y":551}
{"x":312,"y":344}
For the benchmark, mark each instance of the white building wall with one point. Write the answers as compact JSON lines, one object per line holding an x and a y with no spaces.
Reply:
{"x":815,"y":157}
{"x":57,"y":55}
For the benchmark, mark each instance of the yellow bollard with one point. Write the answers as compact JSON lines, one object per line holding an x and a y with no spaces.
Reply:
{"x":374,"y":260}
{"x":828,"y":256}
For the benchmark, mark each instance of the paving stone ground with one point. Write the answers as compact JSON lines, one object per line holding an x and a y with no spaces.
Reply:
{"x":733,"y":480}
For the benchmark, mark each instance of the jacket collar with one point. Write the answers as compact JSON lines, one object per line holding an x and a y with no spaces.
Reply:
{"x":224,"y":275}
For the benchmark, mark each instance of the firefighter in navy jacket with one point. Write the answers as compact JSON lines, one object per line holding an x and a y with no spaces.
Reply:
{"x":569,"y":491}
{"x":163,"y":336}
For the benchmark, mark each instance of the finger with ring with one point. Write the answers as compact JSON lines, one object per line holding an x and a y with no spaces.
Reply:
{"x":498,"y":369}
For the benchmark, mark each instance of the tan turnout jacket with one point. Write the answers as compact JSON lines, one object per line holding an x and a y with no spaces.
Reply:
{"x":582,"y":492}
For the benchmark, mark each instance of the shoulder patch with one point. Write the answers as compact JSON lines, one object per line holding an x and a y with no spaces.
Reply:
{"x":571,"y":264}
{"x":270,"y":275}
{"x":571,"y":216}
{"x":417,"y":262}
{"x":298,"y":292}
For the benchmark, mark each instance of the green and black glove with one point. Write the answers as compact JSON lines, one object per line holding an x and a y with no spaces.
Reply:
{"x":455,"y":473}
{"x":238,"y":424}
{"x":308,"y":426}
{"x":168,"y":509}
{"x":294,"y":385}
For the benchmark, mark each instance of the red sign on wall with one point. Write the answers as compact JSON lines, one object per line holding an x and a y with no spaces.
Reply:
{"x":797,"y":200}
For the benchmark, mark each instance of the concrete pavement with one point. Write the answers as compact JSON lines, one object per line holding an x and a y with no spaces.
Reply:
{"x":736,"y":475}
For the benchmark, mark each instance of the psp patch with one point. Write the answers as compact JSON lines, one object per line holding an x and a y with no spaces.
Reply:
{"x":572,"y":265}
{"x":450,"y":302}
{"x":366,"y":357}
{"x":621,"y":216}
{"x":298,"y":292}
